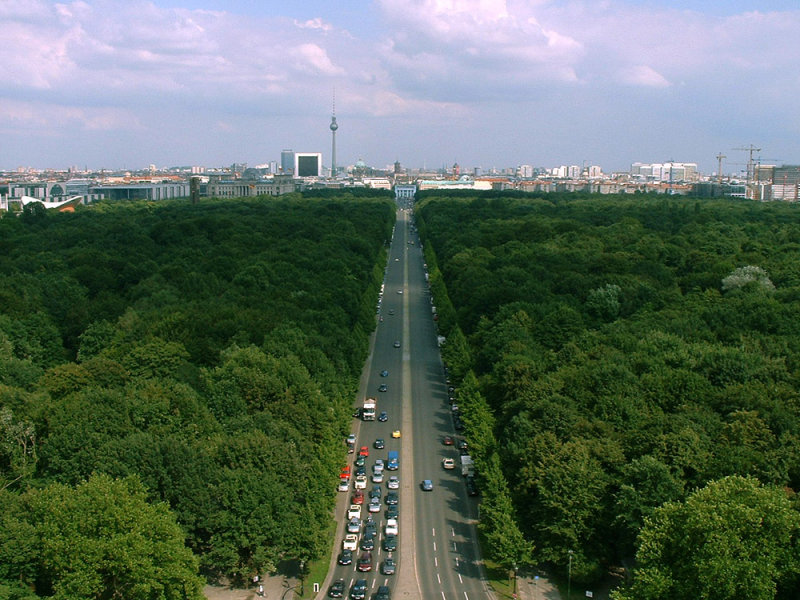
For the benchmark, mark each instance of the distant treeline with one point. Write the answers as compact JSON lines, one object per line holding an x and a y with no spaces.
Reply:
{"x":172,"y":371}
{"x":640,"y":359}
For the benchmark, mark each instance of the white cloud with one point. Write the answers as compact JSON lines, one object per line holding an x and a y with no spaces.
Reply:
{"x":644,"y":76}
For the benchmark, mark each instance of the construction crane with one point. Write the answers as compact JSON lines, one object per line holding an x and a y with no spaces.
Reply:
{"x":751,"y":149}
{"x":720,"y":156}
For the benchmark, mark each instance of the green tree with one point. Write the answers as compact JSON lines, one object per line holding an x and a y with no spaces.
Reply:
{"x":732,"y":539}
{"x":99,"y":540}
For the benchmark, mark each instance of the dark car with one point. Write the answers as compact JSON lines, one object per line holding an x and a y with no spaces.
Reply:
{"x":397,"y":343}
{"x":388,"y":567}
{"x":337,"y":589}
{"x":392,"y":512}
{"x":370,"y":528}
{"x":472,"y":487}
{"x":368,"y":543}
{"x":447,"y":440}
{"x":379,"y":444}
{"x":376,"y":491}
{"x":346,"y":557}
{"x":383,"y":387}
{"x":360,"y":461}
{"x":359,"y":590}
{"x":382,"y":593}
{"x":384,"y":373}
{"x":392,"y":498}
{"x":427,"y":485}
{"x":462,"y":444}
{"x":364,"y":563}
{"x":383,"y":417}
{"x":390,"y":543}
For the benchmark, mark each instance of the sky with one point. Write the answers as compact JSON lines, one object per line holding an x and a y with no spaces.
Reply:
{"x":122,"y":84}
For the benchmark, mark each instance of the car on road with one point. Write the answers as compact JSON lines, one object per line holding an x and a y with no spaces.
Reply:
{"x":374,"y":505}
{"x":396,"y":433}
{"x":392,"y":498}
{"x":360,"y":482}
{"x":399,"y":291}
{"x":359,"y":590}
{"x":363,"y":451}
{"x":360,"y":461}
{"x":427,"y":485}
{"x":383,"y":593}
{"x":379,"y":444}
{"x":354,"y":512}
{"x":345,"y":557}
{"x":391,"y":310}
{"x":388,"y":567}
{"x":462,"y":444}
{"x":383,"y":417}
{"x":357,"y":497}
{"x":350,"y":542}
{"x":390,"y":543}
{"x":361,"y":471}
{"x":391,"y":527}
{"x":368,"y":543}
{"x":393,"y":483}
{"x":378,"y":466}
{"x":448,"y":463}
{"x":336,"y":590}
{"x":383,"y":388}
{"x":364,"y":562}
{"x":472,"y":488}
{"x":397,"y":343}
{"x":447,"y":440}
{"x":384,"y":373}
{"x":376,"y":491}
{"x":354,"y":525}
{"x":392,"y":512}
{"x":377,"y":477}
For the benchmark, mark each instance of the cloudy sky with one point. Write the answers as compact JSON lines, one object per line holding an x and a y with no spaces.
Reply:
{"x":490,"y":83}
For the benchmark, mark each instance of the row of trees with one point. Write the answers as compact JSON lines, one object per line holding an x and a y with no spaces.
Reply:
{"x":203,"y":357}
{"x":631,"y":352}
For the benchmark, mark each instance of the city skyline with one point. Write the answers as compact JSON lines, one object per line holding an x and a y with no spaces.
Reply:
{"x":111,"y":84}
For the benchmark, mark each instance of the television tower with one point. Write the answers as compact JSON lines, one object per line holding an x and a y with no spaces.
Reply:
{"x":334,"y":126}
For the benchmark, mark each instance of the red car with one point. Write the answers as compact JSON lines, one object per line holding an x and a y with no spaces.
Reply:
{"x":447,"y":440}
{"x":358,"y":497}
{"x":364,"y":451}
{"x":345,"y":474}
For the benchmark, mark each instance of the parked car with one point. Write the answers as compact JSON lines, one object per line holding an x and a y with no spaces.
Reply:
{"x":361,"y":482}
{"x":351,"y":439}
{"x":344,"y":485}
{"x":357,"y":497}
{"x":448,"y":463}
{"x":447,"y":440}
{"x":354,"y":512}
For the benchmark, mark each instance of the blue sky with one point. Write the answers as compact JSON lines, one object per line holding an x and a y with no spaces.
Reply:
{"x":487,"y":83}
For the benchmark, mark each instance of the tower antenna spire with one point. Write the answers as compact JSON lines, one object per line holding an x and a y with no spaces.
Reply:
{"x":333,"y":126}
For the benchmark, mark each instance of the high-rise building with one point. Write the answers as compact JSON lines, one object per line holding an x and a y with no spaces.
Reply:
{"x":287,"y":161}
{"x":308,"y":164}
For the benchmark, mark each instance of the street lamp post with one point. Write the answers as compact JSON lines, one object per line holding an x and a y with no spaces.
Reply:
{"x":515,"y":580}
{"x":569,"y":577}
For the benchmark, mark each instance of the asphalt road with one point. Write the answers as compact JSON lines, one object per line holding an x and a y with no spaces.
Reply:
{"x":438,"y":553}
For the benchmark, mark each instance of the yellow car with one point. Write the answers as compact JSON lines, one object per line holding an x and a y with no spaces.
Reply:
{"x":396,"y":433}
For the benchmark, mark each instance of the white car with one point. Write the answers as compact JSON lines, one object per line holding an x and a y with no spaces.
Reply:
{"x":343,"y":485}
{"x":391,"y":527}
{"x":448,"y":463}
{"x":361,"y":482}
{"x":354,"y":512}
{"x":375,"y":505}
{"x":378,"y":466}
{"x":393,"y":483}
{"x":350,"y":542}
{"x":377,"y":477}
{"x":351,"y":439}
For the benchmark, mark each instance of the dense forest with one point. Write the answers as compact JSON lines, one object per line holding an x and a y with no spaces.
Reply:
{"x":175,"y":384}
{"x":628,"y":371}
